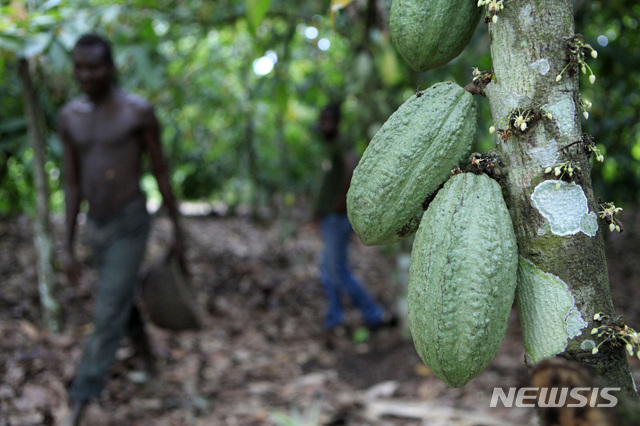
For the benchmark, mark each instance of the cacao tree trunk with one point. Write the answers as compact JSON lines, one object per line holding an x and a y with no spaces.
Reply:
{"x":51,"y":311}
{"x":528,"y":50}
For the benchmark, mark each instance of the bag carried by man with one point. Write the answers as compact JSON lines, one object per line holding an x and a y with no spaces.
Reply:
{"x":166,"y":296}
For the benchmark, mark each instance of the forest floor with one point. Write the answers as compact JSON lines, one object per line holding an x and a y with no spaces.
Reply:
{"x":261,"y":357}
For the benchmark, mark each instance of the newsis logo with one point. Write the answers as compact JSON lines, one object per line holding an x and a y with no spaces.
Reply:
{"x":555,"y":397}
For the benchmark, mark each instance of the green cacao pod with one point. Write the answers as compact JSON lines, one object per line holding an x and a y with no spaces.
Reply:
{"x":408,"y":159}
{"x":462,"y":278}
{"x":430,"y":33}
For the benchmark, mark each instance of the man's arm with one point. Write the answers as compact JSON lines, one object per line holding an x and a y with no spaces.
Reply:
{"x":151,"y":140}
{"x":72,"y":198}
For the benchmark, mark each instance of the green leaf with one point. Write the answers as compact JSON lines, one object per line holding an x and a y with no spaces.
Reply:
{"x":388,"y":64}
{"x":336,"y":5}
{"x":144,"y":67}
{"x":361,"y":335}
{"x":282,"y":96}
{"x":36,"y":21}
{"x":36,"y":44}
{"x":339,"y":4}
{"x":255,"y":10}
{"x":50,"y":4}
{"x":10,"y":44}
{"x":13,"y":124}
{"x":58,"y":57}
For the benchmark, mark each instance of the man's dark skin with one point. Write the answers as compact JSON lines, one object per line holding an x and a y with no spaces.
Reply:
{"x":105,"y":134}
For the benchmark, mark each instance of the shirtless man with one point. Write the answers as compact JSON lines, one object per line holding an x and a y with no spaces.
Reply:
{"x":105,"y":134}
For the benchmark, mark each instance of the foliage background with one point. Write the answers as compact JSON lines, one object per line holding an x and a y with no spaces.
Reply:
{"x":235,"y":138}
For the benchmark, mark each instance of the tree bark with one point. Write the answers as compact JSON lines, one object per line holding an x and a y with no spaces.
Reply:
{"x":528,"y":50}
{"x":51,"y":311}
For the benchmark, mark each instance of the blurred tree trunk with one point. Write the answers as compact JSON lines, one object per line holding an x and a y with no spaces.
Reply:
{"x":51,"y":311}
{"x":528,"y":49}
{"x":284,"y":197}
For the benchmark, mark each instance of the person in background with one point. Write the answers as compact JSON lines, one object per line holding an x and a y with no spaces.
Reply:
{"x":331,"y":211}
{"x":105,"y":134}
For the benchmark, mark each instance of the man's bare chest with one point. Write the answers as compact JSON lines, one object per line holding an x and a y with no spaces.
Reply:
{"x":104,"y":130}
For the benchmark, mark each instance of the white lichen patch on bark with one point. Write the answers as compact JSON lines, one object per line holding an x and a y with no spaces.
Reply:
{"x":573,"y":322}
{"x":563,"y":111}
{"x":526,"y":17}
{"x":548,"y":313}
{"x":564,"y":206}
{"x":545,"y":155}
{"x":502,"y":101}
{"x":541,"y":65}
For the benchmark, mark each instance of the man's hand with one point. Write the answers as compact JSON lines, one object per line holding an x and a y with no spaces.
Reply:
{"x":72,"y":269}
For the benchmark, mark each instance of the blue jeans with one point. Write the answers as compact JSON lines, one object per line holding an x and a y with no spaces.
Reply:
{"x":337,"y":277}
{"x":118,"y":246}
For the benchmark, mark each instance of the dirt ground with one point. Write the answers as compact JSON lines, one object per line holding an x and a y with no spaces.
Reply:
{"x":261,"y":357}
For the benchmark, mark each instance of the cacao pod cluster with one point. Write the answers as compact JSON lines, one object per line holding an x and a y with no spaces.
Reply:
{"x":464,"y":260}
